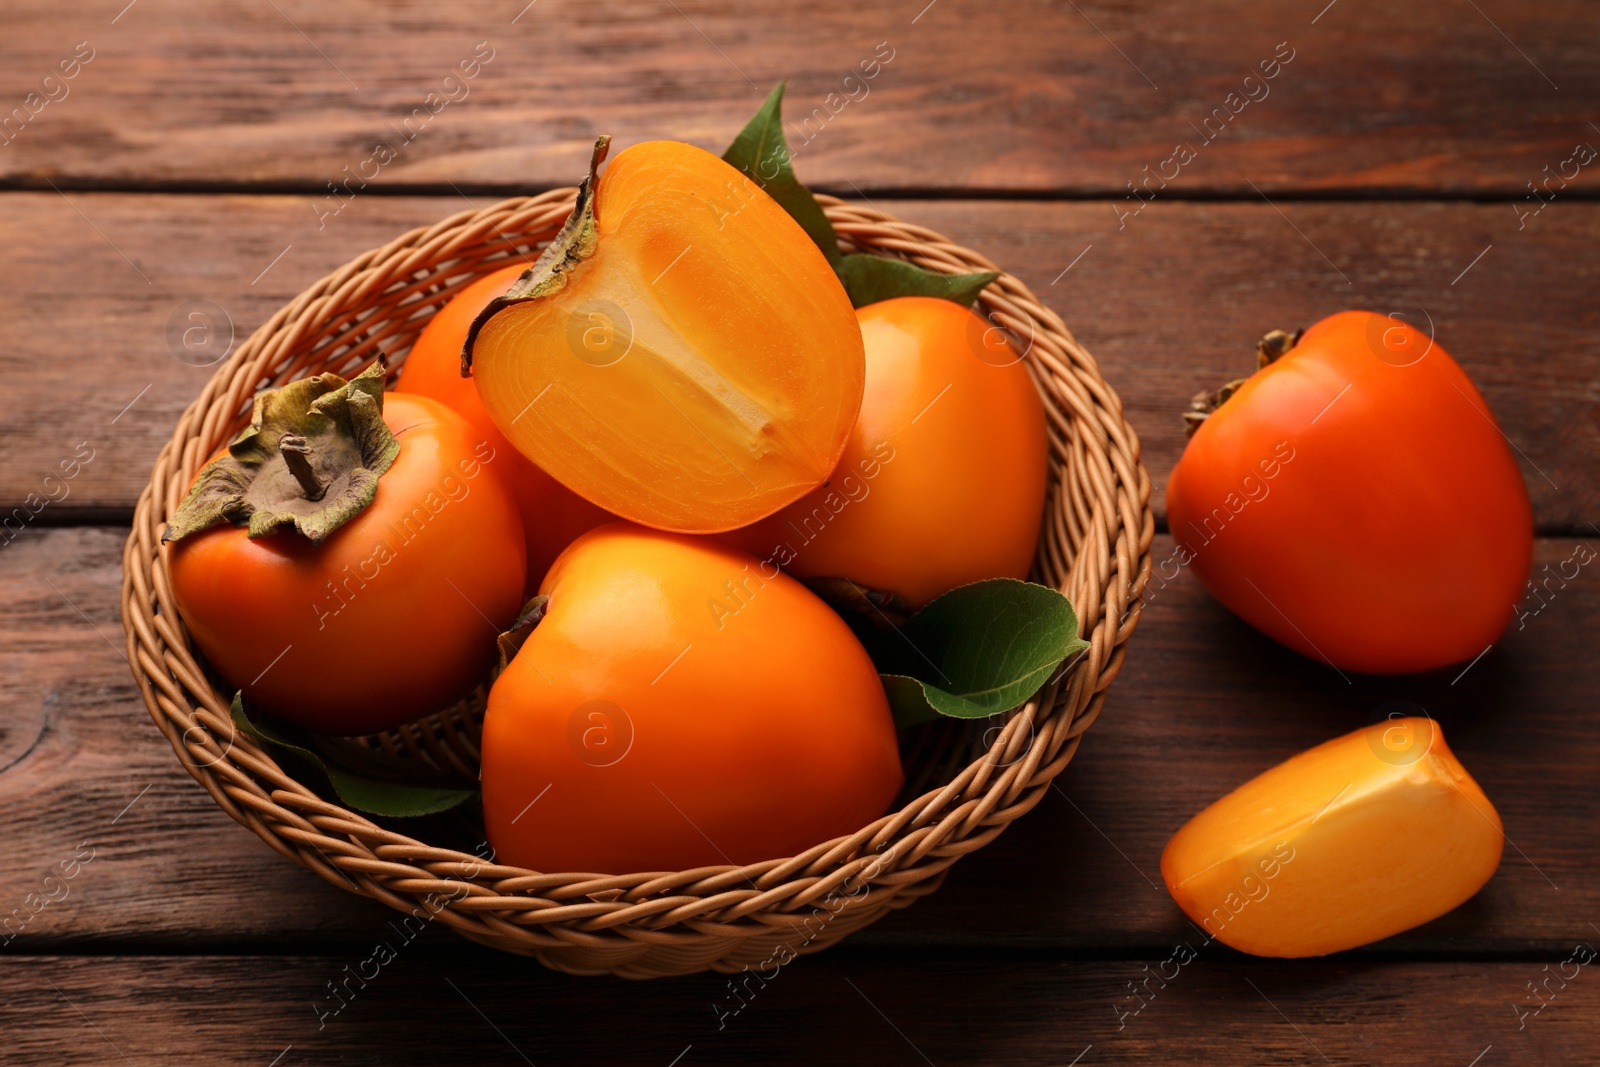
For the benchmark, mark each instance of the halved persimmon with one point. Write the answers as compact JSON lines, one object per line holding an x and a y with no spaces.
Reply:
{"x":552,"y":515}
{"x":682,"y":354}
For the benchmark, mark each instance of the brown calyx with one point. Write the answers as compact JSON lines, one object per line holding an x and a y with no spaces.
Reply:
{"x":527,"y":620}
{"x":309,"y":461}
{"x":1273,"y":346}
{"x":880,"y":609}
{"x":575,"y":243}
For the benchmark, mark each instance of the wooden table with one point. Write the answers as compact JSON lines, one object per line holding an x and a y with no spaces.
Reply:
{"x":185,"y":166}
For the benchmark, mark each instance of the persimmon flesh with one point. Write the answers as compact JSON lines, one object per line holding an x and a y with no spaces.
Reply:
{"x":1357,"y":839}
{"x":552,"y":514}
{"x":683,"y":355}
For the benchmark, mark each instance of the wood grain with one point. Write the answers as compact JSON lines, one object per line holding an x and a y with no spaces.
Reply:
{"x":1171,"y":302}
{"x":472,"y":1006}
{"x":91,"y":788}
{"x":1389,"y":167}
{"x":1202,"y":704}
{"x":1428,"y":97}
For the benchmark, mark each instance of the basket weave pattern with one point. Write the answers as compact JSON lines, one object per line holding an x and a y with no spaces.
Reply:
{"x":966,"y":781}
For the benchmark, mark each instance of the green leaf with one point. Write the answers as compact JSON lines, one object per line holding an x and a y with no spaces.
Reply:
{"x":762,"y":152}
{"x":976,"y":651}
{"x":378,"y":783}
{"x":869,"y":279}
{"x":393,"y":799}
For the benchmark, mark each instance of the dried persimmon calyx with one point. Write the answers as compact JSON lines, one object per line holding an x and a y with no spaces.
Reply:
{"x":309,"y":461}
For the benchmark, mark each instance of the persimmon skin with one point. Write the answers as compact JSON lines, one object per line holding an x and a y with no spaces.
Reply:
{"x":1352,"y":841}
{"x":552,"y":515}
{"x":1365,"y":513}
{"x":943,"y":479}
{"x":700,"y":369}
{"x":393,"y":615}
{"x":744,"y":720}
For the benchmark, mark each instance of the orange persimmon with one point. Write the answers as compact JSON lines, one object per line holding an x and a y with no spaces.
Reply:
{"x":943,"y":480}
{"x":676,"y":706}
{"x":552,"y":514}
{"x":1355,"y":500}
{"x":682,"y":354}
{"x":1359,"y":838}
{"x":347,"y":561}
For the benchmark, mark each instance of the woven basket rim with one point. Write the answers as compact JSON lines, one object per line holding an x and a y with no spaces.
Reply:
{"x":1096,"y":540}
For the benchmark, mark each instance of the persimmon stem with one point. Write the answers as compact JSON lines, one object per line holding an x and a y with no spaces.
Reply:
{"x":296,"y":451}
{"x":574,"y":243}
{"x":1272,"y":347}
{"x":1275,"y":345}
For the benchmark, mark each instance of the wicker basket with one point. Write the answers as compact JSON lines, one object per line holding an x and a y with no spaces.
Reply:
{"x":966,"y":781}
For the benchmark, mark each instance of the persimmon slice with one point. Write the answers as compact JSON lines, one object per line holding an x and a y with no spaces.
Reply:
{"x":682,"y":354}
{"x":1357,"y":839}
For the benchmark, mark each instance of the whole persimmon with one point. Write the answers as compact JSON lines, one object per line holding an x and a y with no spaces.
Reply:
{"x":680,"y":705}
{"x":552,"y":514}
{"x":943,"y":479}
{"x":348,"y":560}
{"x":681,"y":354}
{"x":1355,"y":500}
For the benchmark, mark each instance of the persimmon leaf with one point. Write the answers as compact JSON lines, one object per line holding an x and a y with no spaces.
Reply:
{"x":869,"y":279}
{"x":762,"y":152}
{"x":393,"y":799}
{"x":976,"y":651}
{"x":378,"y":783}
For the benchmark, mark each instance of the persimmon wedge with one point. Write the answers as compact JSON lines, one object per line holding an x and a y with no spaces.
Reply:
{"x":682,"y":355}
{"x":1357,"y":839}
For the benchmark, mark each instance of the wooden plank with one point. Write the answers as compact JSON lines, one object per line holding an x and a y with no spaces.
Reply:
{"x":479,"y":1007}
{"x":1202,"y":704}
{"x":1205,"y":703}
{"x":1171,"y":301}
{"x":1057,"y":98}
{"x":92,"y":790}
